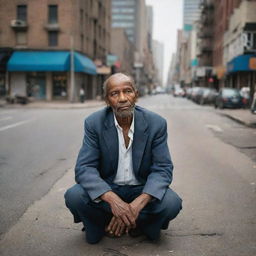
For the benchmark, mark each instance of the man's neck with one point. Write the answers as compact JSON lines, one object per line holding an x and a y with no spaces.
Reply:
{"x":124,"y":122}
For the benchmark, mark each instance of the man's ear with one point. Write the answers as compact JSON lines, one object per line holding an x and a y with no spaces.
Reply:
{"x":136,"y":95}
{"x":107,"y":101}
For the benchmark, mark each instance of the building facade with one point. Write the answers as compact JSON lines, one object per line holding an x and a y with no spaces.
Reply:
{"x":136,"y":19}
{"x":191,"y":13}
{"x":54,"y":45}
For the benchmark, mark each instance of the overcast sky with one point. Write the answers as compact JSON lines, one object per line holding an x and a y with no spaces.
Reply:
{"x":167,"y":19}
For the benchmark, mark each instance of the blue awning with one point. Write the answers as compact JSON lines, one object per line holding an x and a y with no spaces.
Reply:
{"x":241,"y":63}
{"x":84,"y":64}
{"x":49,"y":61}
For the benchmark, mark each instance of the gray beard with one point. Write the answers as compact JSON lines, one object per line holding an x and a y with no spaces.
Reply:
{"x":125,"y":113}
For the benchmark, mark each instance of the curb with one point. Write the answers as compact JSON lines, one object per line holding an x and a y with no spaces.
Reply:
{"x":239,"y":121}
{"x":52,"y":106}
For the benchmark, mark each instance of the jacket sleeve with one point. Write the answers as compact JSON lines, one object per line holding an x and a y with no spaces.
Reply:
{"x":160,"y":173}
{"x":88,"y":162}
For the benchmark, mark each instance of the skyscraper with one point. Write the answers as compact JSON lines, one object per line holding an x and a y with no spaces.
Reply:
{"x":124,"y":15}
{"x":191,"y":13}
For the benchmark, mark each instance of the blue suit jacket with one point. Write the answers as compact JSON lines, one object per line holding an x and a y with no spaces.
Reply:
{"x":97,"y":161}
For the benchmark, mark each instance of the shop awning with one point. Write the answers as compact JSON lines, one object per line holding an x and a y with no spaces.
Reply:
{"x":242,"y":63}
{"x":49,"y":61}
{"x":84,"y":64}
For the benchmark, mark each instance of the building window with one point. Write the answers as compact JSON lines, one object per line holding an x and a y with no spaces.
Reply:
{"x":52,"y":38}
{"x":53,"y":14}
{"x":82,"y":42}
{"x":22,"y":12}
{"x":21,"y":38}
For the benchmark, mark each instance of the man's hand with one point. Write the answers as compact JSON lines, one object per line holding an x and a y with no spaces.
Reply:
{"x":116,"y":227}
{"x":120,"y":209}
{"x":139,"y":203}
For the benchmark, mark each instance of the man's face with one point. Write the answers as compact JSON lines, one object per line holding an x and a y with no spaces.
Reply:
{"x":121,"y":96}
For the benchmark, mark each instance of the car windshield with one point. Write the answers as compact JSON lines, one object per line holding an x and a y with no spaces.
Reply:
{"x":230,"y":92}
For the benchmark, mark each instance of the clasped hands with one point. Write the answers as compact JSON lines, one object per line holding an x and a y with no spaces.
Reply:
{"x":124,"y":214}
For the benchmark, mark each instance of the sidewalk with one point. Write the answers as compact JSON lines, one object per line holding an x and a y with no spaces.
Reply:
{"x":242,"y":116}
{"x":55,"y":104}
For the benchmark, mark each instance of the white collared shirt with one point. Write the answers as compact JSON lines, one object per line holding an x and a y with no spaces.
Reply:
{"x":125,"y":174}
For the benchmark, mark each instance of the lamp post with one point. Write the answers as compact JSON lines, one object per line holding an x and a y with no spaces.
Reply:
{"x":72,"y":70}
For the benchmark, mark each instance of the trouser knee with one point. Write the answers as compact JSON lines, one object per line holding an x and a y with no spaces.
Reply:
{"x":75,"y":197}
{"x":172,"y":204}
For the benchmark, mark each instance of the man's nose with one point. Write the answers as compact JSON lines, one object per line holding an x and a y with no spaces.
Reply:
{"x":122,"y":97}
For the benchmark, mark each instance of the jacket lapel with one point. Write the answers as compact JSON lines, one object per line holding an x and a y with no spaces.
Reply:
{"x":139,"y":140}
{"x":111,"y":139}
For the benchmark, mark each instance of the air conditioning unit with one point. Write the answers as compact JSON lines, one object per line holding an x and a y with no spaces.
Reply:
{"x":18,"y":23}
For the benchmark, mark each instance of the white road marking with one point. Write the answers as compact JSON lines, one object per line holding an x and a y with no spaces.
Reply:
{"x":14,"y":125}
{"x":214,"y":128}
{"x":7,"y":112}
{"x":6,"y":118}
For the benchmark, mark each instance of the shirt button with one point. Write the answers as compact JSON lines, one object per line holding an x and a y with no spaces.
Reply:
{"x":126,"y":170}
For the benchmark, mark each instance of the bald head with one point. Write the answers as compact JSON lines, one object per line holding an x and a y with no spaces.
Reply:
{"x":117,"y":78}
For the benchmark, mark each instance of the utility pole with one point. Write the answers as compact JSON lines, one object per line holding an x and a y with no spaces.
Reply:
{"x":72,"y":70}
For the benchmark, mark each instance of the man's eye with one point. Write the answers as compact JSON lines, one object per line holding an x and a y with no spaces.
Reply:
{"x":128,"y":91}
{"x":113,"y":93}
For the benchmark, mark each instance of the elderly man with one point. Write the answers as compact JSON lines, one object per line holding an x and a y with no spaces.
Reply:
{"x":124,"y":169}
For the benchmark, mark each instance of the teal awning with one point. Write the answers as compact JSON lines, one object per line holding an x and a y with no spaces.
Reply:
{"x":241,"y":63}
{"x":49,"y":61}
{"x":84,"y":64}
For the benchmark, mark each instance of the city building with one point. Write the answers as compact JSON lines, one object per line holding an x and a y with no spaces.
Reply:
{"x":191,"y":13}
{"x":158,"y":54}
{"x":205,"y":44}
{"x":136,"y":19}
{"x":240,"y":47}
{"x":123,"y":49}
{"x":55,"y":45}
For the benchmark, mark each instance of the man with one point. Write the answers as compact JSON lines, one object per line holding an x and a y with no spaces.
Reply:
{"x":124,"y":169}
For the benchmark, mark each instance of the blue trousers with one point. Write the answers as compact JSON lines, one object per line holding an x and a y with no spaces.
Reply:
{"x":155,"y":216}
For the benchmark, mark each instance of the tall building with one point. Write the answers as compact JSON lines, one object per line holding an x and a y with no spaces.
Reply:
{"x":191,"y":13}
{"x":158,"y":53}
{"x":135,"y":18}
{"x":55,"y":45}
{"x":124,"y":15}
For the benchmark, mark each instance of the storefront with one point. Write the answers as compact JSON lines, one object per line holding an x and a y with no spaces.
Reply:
{"x":45,"y":75}
{"x":4,"y":57}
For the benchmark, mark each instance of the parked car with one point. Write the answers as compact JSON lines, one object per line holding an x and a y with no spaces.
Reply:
{"x":178,"y":92}
{"x":245,"y":93}
{"x":228,"y":98}
{"x":194,"y":93}
{"x":208,"y":96}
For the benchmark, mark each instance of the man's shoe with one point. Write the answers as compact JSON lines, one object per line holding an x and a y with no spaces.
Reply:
{"x":135,"y":232}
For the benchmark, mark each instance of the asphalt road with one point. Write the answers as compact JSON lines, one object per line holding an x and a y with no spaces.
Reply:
{"x":215,"y":174}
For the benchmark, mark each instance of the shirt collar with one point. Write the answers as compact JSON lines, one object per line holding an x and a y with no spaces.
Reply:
{"x":131,"y":127}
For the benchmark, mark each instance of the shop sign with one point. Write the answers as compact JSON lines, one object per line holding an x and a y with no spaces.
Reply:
{"x":252,"y":63}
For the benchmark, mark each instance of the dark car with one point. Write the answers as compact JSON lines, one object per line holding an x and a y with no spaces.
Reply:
{"x":208,"y":96}
{"x":228,"y":98}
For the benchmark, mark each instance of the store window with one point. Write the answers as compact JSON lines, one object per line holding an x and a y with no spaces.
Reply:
{"x":36,"y":85}
{"x":59,"y":81}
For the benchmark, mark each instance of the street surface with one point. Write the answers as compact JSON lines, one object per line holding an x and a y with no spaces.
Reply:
{"x":215,"y":174}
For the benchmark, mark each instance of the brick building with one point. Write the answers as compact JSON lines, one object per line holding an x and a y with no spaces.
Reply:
{"x":54,"y":45}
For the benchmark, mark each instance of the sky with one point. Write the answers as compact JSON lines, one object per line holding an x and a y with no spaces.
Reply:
{"x":166,"y":21}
